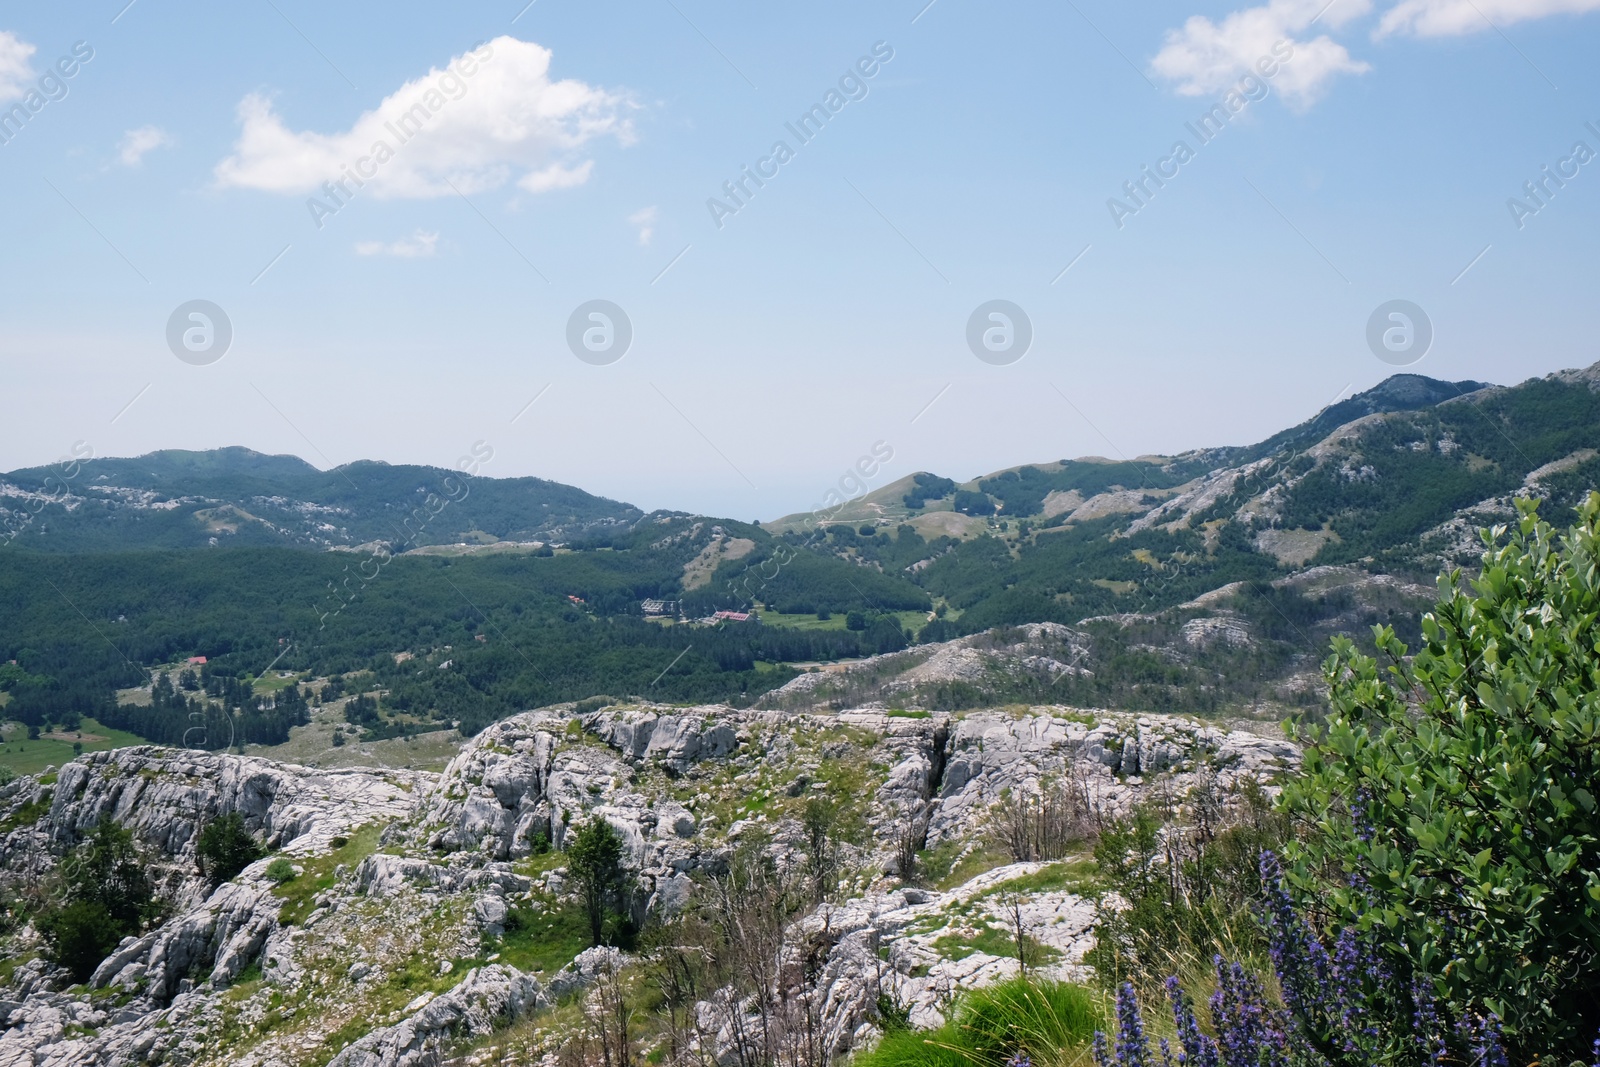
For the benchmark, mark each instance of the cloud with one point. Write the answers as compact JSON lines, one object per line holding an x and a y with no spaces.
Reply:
{"x":489,"y":114}
{"x":1206,"y":57}
{"x":135,"y":143}
{"x":1448,"y":18}
{"x":420,"y":246}
{"x":645,"y":219}
{"x":16,"y":73}
{"x":555,"y":176}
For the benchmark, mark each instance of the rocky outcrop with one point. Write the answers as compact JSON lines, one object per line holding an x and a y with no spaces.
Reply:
{"x":962,"y":766}
{"x":166,"y":795}
{"x":219,"y":940}
{"x":462,"y":873}
{"x":674,"y":741}
{"x":1040,"y":650}
{"x":486,"y":998}
{"x":841,"y":958}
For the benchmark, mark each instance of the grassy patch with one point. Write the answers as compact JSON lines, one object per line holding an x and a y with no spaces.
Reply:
{"x":1076,"y":876}
{"x":9,"y":965}
{"x":299,"y":895}
{"x":901,"y":713}
{"x":545,"y":939}
{"x":28,"y":814}
{"x":31,"y":757}
{"x":276,"y":683}
{"x":993,"y":941}
{"x":1053,"y":1021}
{"x":945,"y":868}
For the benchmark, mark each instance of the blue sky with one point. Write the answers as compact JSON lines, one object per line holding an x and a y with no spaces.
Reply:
{"x":830,"y":311}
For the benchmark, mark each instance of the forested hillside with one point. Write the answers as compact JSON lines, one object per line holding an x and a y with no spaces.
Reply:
{"x":560,"y":595}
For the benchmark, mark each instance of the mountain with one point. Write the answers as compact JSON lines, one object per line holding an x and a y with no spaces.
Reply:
{"x":1027,"y":490}
{"x":1208,"y":582}
{"x":178,"y":499}
{"x":1390,"y":479}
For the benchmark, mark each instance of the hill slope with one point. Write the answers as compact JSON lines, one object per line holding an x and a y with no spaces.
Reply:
{"x":178,"y":499}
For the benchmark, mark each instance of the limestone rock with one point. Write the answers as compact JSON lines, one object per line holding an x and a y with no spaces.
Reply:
{"x":487,"y":996}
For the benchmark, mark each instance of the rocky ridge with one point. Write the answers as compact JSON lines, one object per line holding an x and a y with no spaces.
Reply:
{"x":395,"y":938}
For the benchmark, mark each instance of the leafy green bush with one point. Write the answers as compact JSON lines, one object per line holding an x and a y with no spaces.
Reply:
{"x":225,"y":848}
{"x":280,"y":870}
{"x":1458,"y":791}
{"x":986,"y":1026}
{"x":105,"y":897}
{"x":80,"y":935}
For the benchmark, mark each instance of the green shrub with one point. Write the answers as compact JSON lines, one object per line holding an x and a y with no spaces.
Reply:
{"x":106,"y":896}
{"x":80,"y":935}
{"x":280,"y":870}
{"x":225,"y":848}
{"x":1458,"y":792}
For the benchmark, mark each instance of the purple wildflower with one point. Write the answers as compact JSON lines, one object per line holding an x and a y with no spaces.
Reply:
{"x":1490,"y":1051}
{"x":1133,"y":1049}
{"x":1485,"y":1039}
{"x":1302,"y":963}
{"x":1425,"y":1020}
{"x":1198,"y":1049}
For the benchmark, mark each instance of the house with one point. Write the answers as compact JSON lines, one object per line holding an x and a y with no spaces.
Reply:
{"x":197,"y":660}
{"x":732,"y":616}
{"x":659,"y":607}
{"x":575,"y":599}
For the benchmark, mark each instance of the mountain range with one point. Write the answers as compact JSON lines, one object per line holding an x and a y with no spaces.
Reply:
{"x":1203,"y":581}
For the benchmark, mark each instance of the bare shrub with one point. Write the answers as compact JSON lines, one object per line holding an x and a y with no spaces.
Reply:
{"x":1041,"y":825}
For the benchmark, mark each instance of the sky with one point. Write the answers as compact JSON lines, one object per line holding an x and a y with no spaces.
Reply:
{"x":968,"y":235}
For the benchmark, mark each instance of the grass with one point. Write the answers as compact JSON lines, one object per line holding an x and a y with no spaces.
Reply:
{"x":31,"y":757}
{"x":993,"y":941}
{"x":1053,"y":1021}
{"x":909,"y":620}
{"x":275,"y":683}
{"x":1076,"y":875}
{"x":299,"y":895}
{"x":546,"y":940}
{"x":944,"y":868}
{"x":28,"y":814}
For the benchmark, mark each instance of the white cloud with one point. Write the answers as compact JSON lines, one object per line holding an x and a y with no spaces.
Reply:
{"x":555,"y":176}
{"x":1206,"y":57}
{"x":135,"y":143}
{"x":1448,"y":18}
{"x":420,"y":246}
{"x":16,"y":73}
{"x":645,"y":219}
{"x":475,"y":130}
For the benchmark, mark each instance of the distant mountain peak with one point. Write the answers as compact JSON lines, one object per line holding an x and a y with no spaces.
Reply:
{"x":1407,"y":392}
